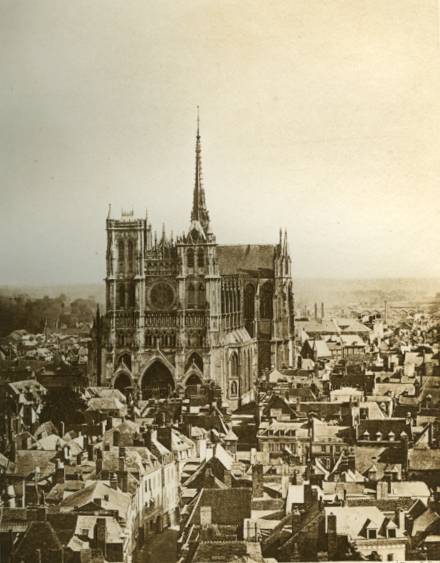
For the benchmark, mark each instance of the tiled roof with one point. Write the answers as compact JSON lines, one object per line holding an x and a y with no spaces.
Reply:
{"x":424,"y":459}
{"x":222,"y":551}
{"x":111,"y":499}
{"x":233,"y":259}
{"x":229,"y":506}
{"x":26,"y":461}
{"x":39,"y":534}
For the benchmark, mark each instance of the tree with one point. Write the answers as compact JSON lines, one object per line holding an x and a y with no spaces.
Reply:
{"x":63,"y":405}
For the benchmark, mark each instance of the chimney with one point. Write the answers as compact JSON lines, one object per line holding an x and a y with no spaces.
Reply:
{"x":90,"y":452}
{"x":98,"y":462}
{"x":116,"y":438}
{"x":227,"y":478}
{"x":122,"y":463}
{"x":62,"y":429}
{"x":114,"y":481}
{"x":59,"y":472}
{"x":100,"y":536}
{"x":332,"y":541}
{"x":296,"y":521}
{"x":400,"y":519}
{"x":257,"y":480}
{"x":322,"y":310}
{"x":66,"y":453}
{"x":381,"y":490}
{"x":205,"y":516}
{"x":123,"y":474}
{"x":404,"y":438}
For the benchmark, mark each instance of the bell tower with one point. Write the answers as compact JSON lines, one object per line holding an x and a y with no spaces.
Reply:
{"x":199,"y":279}
{"x":283,"y":307}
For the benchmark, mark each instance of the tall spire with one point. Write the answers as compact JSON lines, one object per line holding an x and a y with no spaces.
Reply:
{"x":199,"y":211}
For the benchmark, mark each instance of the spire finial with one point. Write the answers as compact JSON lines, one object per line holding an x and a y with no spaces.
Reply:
{"x":199,"y":211}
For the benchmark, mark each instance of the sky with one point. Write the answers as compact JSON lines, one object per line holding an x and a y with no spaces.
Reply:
{"x":318,"y":116}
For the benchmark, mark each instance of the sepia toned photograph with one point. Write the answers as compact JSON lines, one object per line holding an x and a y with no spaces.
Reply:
{"x":219,"y":281}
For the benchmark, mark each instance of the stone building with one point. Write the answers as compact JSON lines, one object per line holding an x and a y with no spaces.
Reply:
{"x":188,"y":310}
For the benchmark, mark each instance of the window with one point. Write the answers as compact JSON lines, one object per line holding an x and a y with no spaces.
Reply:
{"x":201,"y":258}
{"x":121,"y":249}
{"x":121,"y":296}
{"x":266,"y":303}
{"x":390,"y":557}
{"x":371,"y":534}
{"x":391,"y":534}
{"x":130,"y":254}
{"x":191,"y":295}
{"x":190,"y":258}
{"x":234,"y":389}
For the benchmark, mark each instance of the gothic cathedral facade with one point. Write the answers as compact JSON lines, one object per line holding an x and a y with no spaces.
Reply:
{"x":189,"y":311}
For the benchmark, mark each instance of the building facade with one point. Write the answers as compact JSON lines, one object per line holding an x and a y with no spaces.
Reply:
{"x":187,"y":310}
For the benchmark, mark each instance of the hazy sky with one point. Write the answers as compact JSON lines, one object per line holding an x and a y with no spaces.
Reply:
{"x":319,"y":116}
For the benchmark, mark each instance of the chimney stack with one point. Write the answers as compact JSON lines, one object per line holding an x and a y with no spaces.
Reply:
{"x":100,"y":536}
{"x":257,"y":480}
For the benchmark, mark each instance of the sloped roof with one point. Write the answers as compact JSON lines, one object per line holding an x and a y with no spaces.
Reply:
{"x":352,"y":520}
{"x":232,"y":551}
{"x":117,"y":500}
{"x":229,"y":506}
{"x":26,"y":461}
{"x":423,"y":459}
{"x":233,"y":259}
{"x":39,"y":534}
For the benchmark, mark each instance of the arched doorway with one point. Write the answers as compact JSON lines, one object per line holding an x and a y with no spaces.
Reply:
{"x":123,"y":382}
{"x":193,"y":379}
{"x":157,"y":381}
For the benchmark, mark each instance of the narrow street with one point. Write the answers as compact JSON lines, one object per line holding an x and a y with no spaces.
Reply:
{"x":159,"y":548}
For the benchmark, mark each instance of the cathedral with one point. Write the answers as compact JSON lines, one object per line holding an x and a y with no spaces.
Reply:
{"x":187,"y":311}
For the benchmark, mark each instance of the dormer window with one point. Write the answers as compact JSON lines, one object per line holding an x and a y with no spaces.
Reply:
{"x":391,"y":532}
{"x":372,"y":533}
{"x":378,"y":436}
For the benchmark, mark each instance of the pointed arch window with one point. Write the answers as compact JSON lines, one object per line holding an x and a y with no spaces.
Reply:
{"x":200,"y":258}
{"x":234,"y":365}
{"x":191,"y":295}
{"x":201,"y":296}
{"x":121,"y":296}
{"x":266,"y":301}
{"x":121,"y":250}
{"x":190,"y":258}
{"x":249,"y":308}
{"x":130,"y":254}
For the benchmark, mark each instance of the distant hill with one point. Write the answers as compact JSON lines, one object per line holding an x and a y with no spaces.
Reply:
{"x":95,"y":291}
{"x":333,"y":292}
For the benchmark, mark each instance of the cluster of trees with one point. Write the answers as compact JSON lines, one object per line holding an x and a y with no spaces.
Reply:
{"x":54,"y":407}
{"x":23,"y":312}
